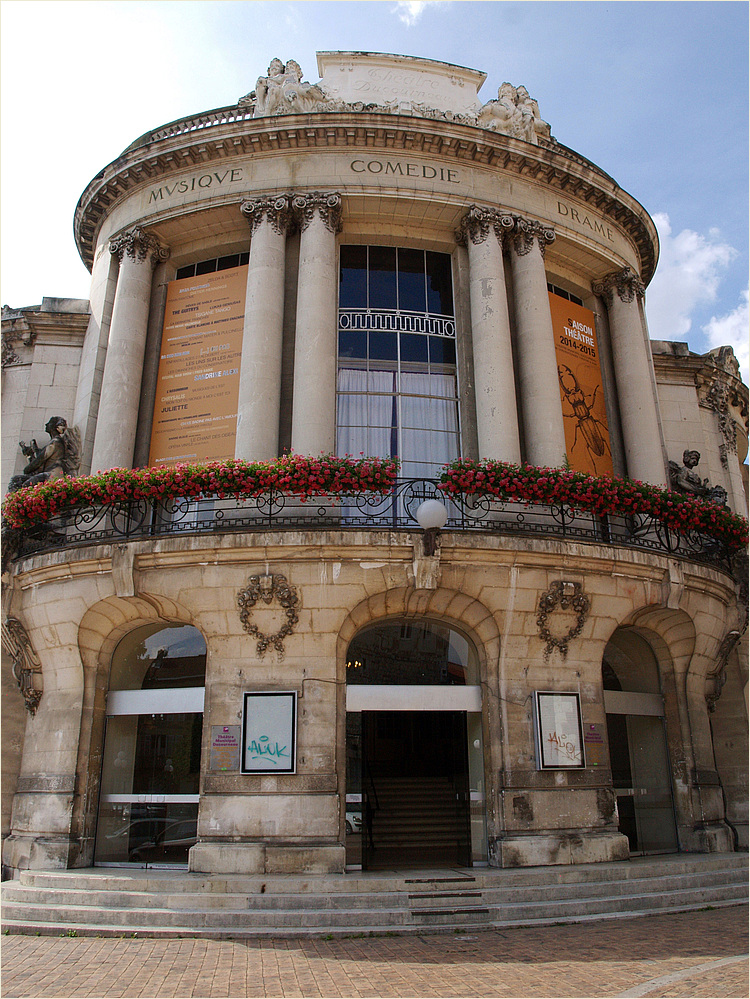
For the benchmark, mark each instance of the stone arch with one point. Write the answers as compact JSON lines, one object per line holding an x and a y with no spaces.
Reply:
{"x":101,"y":628}
{"x":684,"y":652}
{"x":478,"y":624}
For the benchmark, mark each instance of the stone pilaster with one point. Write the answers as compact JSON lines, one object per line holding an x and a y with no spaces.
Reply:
{"x":634,"y":374}
{"x":262,"y":335}
{"x":138,"y":252}
{"x":482,"y":232}
{"x":544,"y":433}
{"x":316,"y":339}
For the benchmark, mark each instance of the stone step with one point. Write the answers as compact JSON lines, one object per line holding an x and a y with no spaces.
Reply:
{"x":31,"y":917}
{"x":275,"y":899}
{"x":135,"y":879}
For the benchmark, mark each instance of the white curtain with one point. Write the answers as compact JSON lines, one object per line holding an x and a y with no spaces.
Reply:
{"x":429,"y":423}
{"x":365,"y":412}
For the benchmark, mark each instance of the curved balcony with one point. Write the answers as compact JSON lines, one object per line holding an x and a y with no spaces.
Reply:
{"x":394,"y":510}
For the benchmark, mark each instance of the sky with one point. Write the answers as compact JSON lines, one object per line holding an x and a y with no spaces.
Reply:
{"x":656,"y":94}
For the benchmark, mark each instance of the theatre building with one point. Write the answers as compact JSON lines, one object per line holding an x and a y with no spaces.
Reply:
{"x":380,"y":264}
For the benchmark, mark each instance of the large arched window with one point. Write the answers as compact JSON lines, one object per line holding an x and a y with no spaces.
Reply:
{"x":148,"y":803}
{"x":397,"y":389}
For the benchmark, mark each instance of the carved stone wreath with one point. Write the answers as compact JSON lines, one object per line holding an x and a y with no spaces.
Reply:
{"x":27,"y":669}
{"x":566,"y":596}
{"x":265,"y":587}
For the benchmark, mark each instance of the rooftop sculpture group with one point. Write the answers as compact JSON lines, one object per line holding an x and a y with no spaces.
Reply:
{"x":62,"y":456}
{"x":283,"y":91}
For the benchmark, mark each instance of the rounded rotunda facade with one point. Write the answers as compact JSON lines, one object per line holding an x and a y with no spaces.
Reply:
{"x":378,"y":264}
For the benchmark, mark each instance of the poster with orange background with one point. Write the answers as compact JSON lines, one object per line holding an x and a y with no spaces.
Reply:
{"x":195,"y":414}
{"x":581,"y":389}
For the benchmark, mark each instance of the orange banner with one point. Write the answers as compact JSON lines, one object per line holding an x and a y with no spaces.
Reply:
{"x":581,"y":389}
{"x":195,"y":416}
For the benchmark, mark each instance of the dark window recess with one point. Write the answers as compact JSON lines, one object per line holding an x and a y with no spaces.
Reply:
{"x":215,"y":264}
{"x":564,"y":294}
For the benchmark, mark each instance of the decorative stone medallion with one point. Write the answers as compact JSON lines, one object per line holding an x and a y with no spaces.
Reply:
{"x":265,"y":587}
{"x":565,"y":596}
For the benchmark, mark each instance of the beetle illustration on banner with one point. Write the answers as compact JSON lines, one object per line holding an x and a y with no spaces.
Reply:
{"x":581,"y":389}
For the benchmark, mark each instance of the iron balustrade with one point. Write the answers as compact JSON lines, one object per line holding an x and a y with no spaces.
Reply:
{"x":143,"y":519}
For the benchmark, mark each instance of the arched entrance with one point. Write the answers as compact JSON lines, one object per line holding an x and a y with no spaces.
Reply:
{"x":148,"y":802}
{"x":415,"y":774}
{"x":637,"y":744}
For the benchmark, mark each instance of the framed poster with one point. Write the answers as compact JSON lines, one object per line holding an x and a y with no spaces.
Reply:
{"x":558,"y":730}
{"x":269,"y":732}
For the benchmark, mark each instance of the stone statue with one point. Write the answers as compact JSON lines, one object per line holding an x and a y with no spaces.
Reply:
{"x":61,"y":457}
{"x":684,"y":480}
{"x":284,"y":92}
{"x":514,"y":113}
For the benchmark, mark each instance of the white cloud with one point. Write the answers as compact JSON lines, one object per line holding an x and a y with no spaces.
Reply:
{"x":410,"y":11}
{"x":732,"y":330}
{"x":690,"y":269}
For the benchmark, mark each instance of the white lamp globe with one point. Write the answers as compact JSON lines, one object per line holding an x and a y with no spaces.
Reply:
{"x":432,"y":514}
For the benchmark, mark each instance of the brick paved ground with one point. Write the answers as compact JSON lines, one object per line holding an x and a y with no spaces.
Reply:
{"x":684,"y":954}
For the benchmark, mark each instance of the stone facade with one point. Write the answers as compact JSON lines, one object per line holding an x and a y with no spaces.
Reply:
{"x":382,"y":152}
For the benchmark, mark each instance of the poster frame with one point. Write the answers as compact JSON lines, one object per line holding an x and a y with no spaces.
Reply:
{"x":544,"y":700}
{"x":288,"y":733}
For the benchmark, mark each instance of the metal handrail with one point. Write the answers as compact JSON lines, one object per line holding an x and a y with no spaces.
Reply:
{"x":142,"y":519}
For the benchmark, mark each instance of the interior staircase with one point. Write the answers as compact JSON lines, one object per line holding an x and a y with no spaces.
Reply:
{"x":160,"y":903}
{"x":417,"y":821}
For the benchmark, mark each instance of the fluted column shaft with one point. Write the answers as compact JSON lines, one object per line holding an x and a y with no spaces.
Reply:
{"x":316,"y":338}
{"x":494,"y":385}
{"x":117,"y":419}
{"x":259,"y":398}
{"x":544,"y":430}
{"x":633,"y":372}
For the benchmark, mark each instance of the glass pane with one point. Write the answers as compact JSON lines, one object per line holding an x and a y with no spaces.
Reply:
{"x":383,"y":346}
{"x":411,"y":284}
{"x":352,"y":344}
{"x":413,"y":347}
{"x":442,"y":350}
{"x":185,"y":272}
{"x":159,"y":656}
{"x":424,"y":653}
{"x":136,"y":832}
{"x":439,"y":284}
{"x":382,"y":277}
{"x":654,"y":812}
{"x":354,"y":804}
{"x":205,"y":267}
{"x":353,"y":277}
{"x":152,"y":754}
{"x":225,"y":263}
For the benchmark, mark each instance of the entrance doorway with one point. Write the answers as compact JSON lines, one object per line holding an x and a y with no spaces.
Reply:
{"x":415,"y":769}
{"x":148,"y":800}
{"x":414,"y":788}
{"x":639,"y":757}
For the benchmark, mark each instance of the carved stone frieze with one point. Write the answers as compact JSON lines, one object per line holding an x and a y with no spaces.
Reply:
{"x":326,"y":206}
{"x":276,"y":210}
{"x":626,"y":283}
{"x":15,"y":330}
{"x":264,"y":588}
{"x":27,"y":669}
{"x":138,"y":244}
{"x":716,"y":392}
{"x":566,"y":596}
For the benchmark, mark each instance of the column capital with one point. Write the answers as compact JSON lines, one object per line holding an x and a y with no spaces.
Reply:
{"x":276,"y":210}
{"x":526,"y":231}
{"x":626,"y":282}
{"x":138,"y":244}
{"x":327,"y":206}
{"x":478,"y":222}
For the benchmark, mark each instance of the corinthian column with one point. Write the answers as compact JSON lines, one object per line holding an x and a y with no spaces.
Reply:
{"x":114,"y":440}
{"x":544,"y":433}
{"x":315,"y":343}
{"x":260,"y":368}
{"x":631,"y":354}
{"x":497,"y":418}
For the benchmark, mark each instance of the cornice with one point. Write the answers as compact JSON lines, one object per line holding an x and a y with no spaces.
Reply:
{"x":553,"y":165}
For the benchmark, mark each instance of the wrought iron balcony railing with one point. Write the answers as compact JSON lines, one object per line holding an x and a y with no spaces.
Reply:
{"x":135,"y":520}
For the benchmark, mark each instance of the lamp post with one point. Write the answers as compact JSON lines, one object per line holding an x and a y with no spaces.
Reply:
{"x":431,"y":516}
